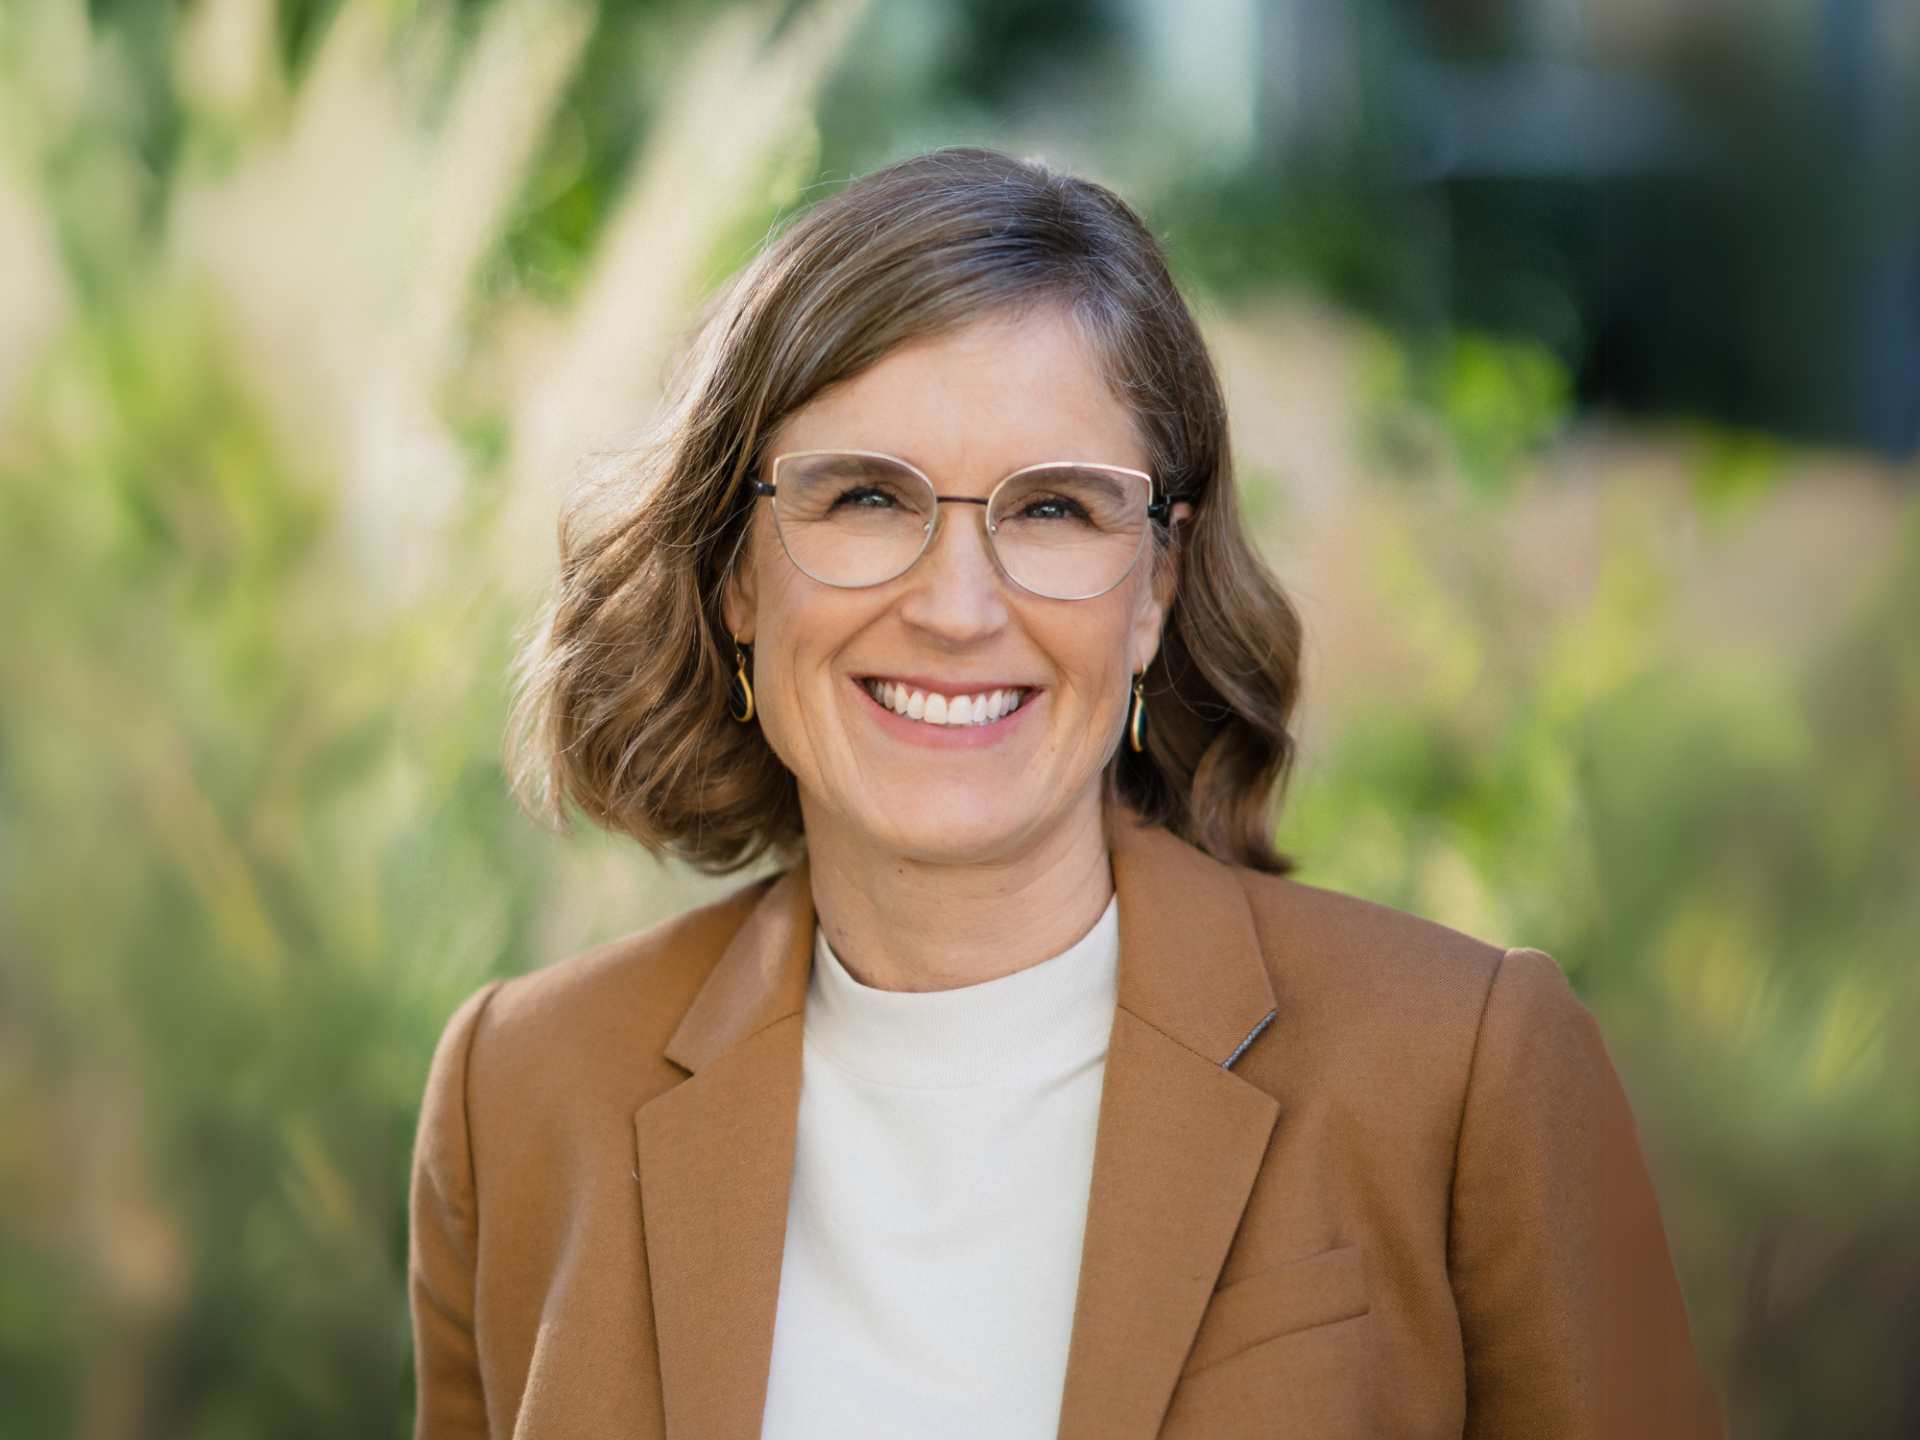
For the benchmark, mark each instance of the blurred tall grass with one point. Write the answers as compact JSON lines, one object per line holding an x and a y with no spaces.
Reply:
{"x":290,"y":383}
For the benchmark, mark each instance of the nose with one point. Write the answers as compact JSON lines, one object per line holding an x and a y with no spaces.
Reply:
{"x":955,"y":594}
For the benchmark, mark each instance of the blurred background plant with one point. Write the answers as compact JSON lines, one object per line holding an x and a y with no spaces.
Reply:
{"x":1575,"y":354}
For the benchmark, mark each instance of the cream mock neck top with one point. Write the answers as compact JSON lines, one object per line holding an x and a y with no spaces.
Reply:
{"x":939,"y":1199}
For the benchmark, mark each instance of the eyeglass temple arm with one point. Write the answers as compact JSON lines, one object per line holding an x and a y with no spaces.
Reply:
{"x":1156,"y":511}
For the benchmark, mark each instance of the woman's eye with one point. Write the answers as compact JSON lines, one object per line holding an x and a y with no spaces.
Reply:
{"x":865,"y":497}
{"x":1051,"y":507}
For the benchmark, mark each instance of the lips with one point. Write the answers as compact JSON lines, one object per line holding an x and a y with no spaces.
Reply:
{"x":931,"y":708}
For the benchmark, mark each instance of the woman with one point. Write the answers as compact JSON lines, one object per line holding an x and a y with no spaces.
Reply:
{"x":1029,"y":1099}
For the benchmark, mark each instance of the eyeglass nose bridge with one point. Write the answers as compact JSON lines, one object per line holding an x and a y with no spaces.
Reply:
{"x":986,"y":538}
{"x":986,"y":526}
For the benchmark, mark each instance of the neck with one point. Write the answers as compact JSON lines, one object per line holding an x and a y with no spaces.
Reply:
{"x":904,"y":923}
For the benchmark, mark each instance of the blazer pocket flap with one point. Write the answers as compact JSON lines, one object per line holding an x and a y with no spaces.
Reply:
{"x":1319,"y":1290}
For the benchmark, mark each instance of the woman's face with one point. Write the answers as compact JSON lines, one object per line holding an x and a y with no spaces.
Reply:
{"x":967,"y":409}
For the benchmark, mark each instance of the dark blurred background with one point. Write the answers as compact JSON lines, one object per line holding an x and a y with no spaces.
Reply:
{"x":1574,"y":349}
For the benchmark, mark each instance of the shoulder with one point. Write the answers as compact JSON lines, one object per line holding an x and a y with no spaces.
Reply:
{"x":1393,"y":993}
{"x":1324,"y":938}
{"x":651,"y":976}
{"x":606,"y":1012}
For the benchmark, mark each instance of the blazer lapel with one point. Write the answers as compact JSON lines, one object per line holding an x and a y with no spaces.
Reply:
{"x":1181,"y":1138}
{"x":715,"y":1162}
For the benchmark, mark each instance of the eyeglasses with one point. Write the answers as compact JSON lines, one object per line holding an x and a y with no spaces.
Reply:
{"x":1063,"y":530}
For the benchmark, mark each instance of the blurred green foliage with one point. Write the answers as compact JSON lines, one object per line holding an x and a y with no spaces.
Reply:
{"x":1721,"y":843}
{"x":255,"y":839}
{"x":254,"y":845}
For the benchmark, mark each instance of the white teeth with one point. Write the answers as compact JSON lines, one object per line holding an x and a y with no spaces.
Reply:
{"x":934,"y":709}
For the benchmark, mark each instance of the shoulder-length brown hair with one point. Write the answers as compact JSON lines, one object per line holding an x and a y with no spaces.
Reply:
{"x":624,"y":703}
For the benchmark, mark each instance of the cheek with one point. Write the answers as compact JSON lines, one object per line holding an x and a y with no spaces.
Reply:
{"x":1094,"y":650}
{"x":801,"y":626}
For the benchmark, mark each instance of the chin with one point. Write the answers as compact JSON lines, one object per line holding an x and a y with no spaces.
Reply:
{"x":968,"y":828}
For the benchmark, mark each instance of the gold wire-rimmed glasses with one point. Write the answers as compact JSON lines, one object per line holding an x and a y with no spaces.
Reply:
{"x":1064,"y":530}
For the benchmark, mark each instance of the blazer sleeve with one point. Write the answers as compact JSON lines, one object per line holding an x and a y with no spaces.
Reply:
{"x":1571,"y":1317}
{"x":443,"y":1243}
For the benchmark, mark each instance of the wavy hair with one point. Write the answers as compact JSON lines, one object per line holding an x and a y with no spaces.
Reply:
{"x":623,"y":705}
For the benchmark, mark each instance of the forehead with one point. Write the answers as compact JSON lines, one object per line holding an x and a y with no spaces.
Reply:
{"x":976,"y":403}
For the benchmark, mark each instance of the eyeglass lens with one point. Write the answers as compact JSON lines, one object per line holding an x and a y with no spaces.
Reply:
{"x":1068,"y":532}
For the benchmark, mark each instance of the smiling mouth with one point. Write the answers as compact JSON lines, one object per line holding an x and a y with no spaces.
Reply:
{"x":932,"y":709}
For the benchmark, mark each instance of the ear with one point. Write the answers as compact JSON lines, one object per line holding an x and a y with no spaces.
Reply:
{"x":1151,"y":618}
{"x":739,"y":599}
{"x":1166,"y":570}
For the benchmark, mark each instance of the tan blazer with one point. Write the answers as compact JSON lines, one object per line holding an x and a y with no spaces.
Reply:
{"x":1413,"y":1206}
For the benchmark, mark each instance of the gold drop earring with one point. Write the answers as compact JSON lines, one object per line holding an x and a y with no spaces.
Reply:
{"x":1137,"y":714}
{"x":740,"y":693}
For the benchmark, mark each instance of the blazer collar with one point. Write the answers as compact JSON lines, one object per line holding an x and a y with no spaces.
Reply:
{"x":1180,"y":1141}
{"x":714,"y":1158}
{"x":1181,"y":1138}
{"x":1190,"y":962}
{"x":761,"y":977}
